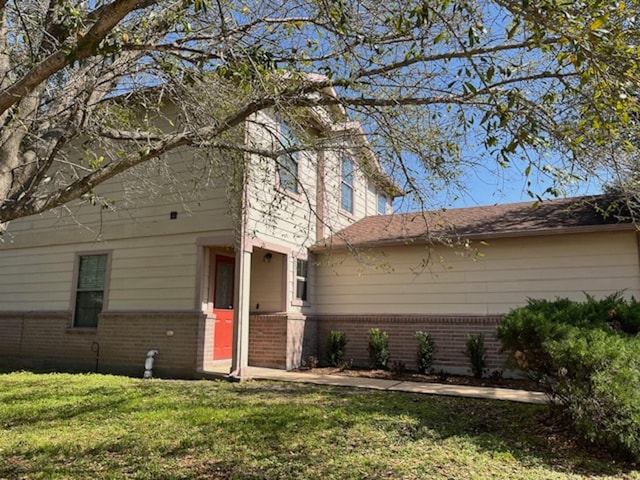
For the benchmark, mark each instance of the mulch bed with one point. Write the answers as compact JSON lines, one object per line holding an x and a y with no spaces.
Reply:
{"x":413,"y":376}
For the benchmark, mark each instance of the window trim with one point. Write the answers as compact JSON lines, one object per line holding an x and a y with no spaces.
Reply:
{"x":74,"y":284}
{"x":350,"y":186}
{"x":295,"y":300}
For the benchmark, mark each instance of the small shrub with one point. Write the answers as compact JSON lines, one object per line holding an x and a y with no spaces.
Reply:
{"x":426,"y":348}
{"x":398,"y":367}
{"x":475,"y":352}
{"x":312,"y":362}
{"x":336,"y":344}
{"x":345,"y":365}
{"x":378,"y":349}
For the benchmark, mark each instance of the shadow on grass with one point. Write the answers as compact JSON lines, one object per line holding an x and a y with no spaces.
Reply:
{"x":182,"y":429}
{"x":530,"y":434}
{"x":54,"y":398}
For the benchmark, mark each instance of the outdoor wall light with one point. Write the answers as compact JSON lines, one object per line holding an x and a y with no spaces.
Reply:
{"x":267,"y":258}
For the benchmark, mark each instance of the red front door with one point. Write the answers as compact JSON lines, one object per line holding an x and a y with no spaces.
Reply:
{"x":223,"y":307}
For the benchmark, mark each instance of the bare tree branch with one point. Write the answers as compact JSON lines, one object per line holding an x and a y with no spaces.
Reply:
{"x":87,"y":95}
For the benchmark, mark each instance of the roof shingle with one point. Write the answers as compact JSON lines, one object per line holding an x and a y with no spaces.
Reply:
{"x":512,"y":219}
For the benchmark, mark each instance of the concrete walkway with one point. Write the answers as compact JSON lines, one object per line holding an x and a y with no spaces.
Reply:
{"x":523,"y":396}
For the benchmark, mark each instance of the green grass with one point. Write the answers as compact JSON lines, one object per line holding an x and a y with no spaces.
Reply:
{"x":97,"y":426}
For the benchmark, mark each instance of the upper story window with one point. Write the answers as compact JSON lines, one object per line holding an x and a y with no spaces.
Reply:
{"x":346,"y":185}
{"x":287,"y":165}
{"x":91,"y":289}
{"x":382,"y":204}
{"x":302,"y":267}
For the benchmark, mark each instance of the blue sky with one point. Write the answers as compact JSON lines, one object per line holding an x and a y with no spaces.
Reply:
{"x":487,"y":188}
{"x":489,"y":185}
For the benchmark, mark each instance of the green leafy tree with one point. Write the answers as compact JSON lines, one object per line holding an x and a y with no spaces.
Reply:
{"x":83,"y":85}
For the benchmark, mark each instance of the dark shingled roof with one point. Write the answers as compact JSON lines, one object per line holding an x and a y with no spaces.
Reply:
{"x":507,"y":220}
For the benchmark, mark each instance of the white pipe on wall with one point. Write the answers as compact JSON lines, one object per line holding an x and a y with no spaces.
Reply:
{"x":148,"y":363}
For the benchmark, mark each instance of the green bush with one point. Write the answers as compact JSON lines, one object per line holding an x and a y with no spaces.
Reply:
{"x":426,"y":348}
{"x":599,"y":382}
{"x":524,"y":330}
{"x":476,"y":354}
{"x":336,"y":344}
{"x":587,"y":354}
{"x":626,"y":316}
{"x":378,"y":349}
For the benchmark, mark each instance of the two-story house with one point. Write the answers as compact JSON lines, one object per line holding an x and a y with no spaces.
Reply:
{"x":203,"y":260}
{"x":252,"y":256}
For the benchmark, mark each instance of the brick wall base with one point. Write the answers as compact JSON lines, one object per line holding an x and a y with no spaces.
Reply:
{"x":44,"y":340}
{"x":449,"y":333}
{"x":281,"y":340}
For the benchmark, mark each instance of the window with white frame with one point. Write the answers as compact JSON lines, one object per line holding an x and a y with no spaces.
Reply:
{"x":90,"y":290}
{"x":288,"y":162}
{"x":302,"y":271}
{"x":382,"y":204}
{"x":346,"y":185}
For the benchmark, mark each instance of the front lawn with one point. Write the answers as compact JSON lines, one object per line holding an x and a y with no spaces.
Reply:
{"x":97,"y":426}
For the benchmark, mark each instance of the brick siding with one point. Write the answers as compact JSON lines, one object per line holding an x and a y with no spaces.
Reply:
{"x":268,"y":341}
{"x":302,"y":340}
{"x":44,"y":340}
{"x":280,"y":340}
{"x":449,"y":333}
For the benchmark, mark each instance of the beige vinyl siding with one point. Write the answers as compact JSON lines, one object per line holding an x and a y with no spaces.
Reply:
{"x":372,"y":200}
{"x":154,"y":273}
{"x":36,"y":279}
{"x":274,"y":215}
{"x":154,"y":257}
{"x":157,"y":275}
{"x":395,"y":281}
{"x":267,"y":294}
{"x":276,"y":218}
{"x":143,"y":211}
{"x":290,"y":221}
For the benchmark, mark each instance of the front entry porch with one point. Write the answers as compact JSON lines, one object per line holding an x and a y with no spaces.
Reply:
{"x":276,"y":340}
{"x":245,"y":297}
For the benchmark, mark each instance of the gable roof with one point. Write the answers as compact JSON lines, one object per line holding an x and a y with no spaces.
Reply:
{"x":568,"y":215}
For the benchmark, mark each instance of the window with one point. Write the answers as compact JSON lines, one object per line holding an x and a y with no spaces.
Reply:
{"x":346,"y":185}
{"x":302,"y":267}
{"x":90,"y":289}
{"x":382,"y":204}
{"x":288,"y":162}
